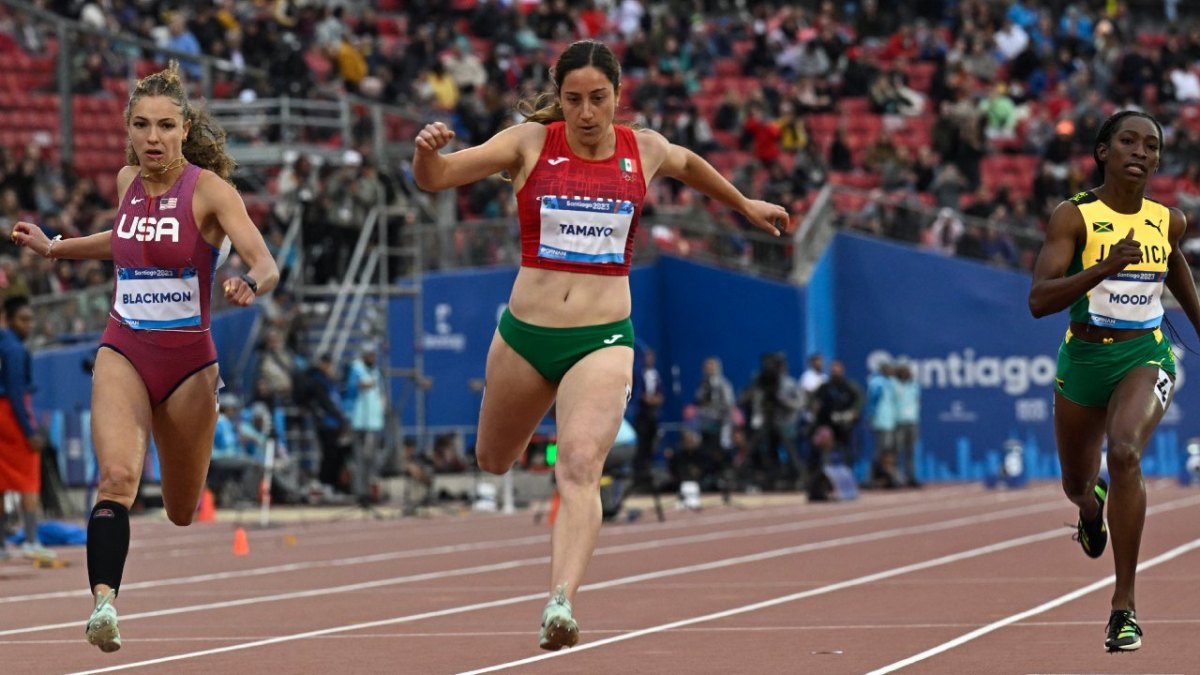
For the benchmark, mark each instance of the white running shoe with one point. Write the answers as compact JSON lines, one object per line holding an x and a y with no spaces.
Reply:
{"x":102,"y":628}
{"x":35,"y":551}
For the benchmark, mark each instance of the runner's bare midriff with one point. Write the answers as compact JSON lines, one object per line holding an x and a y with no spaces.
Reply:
{"x":1099,"y":334}
{"x":556,"y":299}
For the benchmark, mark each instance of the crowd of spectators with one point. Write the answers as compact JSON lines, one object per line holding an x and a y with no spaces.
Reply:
{"x":911,"y":104}
{"x":956,"y":125}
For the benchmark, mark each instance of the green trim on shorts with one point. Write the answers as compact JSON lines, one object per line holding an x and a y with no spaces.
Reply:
{"x":553,"y":351}
{"x":1088,"y":372}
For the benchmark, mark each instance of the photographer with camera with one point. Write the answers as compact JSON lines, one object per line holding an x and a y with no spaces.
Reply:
{"x":772,"y":406}
{"x":838,"y":405}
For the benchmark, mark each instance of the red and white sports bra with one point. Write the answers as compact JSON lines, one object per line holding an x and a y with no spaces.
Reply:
{"x":580,"y":215}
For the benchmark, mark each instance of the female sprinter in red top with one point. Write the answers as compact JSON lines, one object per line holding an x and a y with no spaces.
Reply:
{"x":566,"y":337}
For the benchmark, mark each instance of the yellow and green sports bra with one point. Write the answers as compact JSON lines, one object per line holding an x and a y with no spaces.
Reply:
{"x":1132,"y":298}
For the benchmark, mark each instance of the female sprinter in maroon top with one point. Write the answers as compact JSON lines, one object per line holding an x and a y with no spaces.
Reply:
{"x":156,"y":369}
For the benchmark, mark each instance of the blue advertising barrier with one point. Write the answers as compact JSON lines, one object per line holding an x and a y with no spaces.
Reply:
{"x":986,"y":365}
{"x":685,"y":311}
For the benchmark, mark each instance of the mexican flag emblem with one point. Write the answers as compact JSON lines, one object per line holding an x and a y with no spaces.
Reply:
{"x":628,"y":164}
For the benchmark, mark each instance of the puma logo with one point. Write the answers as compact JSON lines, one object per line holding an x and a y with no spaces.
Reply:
{"x":1157,"y":228}
{"x":613,"y":339}
{"x":557,"y":160}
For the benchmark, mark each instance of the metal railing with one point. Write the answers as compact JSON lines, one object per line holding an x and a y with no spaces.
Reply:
{"x":354,"y":313}
{"x":290,"y":122}
{"x":67,"y":31}
{"x":350,"y":282}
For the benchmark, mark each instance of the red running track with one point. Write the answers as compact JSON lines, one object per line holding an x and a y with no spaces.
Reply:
{"x":949,"y":579}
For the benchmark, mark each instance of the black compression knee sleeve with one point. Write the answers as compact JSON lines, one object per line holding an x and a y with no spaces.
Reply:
{"x":107,"y":544}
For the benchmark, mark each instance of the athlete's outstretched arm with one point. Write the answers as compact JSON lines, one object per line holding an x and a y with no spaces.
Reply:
{"x":434,"y":171}
{"x":96,"y":246}
{"x":1051,"y":291}
{"x":663,"y":158}
{"x":1179,"y":274}
{"x":224,"y":203}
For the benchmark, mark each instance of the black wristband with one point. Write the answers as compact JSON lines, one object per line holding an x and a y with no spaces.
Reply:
{"x":251,"y":283}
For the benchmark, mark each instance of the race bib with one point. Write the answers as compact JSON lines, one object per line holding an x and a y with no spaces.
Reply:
{"x":1128,"y":300}
{"x":150,"y":298}
{"x":585,"y":230}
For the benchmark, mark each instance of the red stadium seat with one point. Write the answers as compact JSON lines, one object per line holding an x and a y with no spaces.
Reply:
{"x":853,"y":106}
{"x":728,"y":67}
{"x":388,"y":26}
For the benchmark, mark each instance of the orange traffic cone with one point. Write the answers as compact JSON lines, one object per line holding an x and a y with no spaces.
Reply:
{"x":553,"y":508}
{"x":207,"y":513}
{"x":241,"y":545}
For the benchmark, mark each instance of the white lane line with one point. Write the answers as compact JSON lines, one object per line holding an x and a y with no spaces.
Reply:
{"x":850,"y":583}
{"x":309,"y":538}
{"x":604,"y":631}
{"x":610,"y":550}
{"x":1044,"y":607}
{"x":855,"y":517}
{"x":728,"y":562}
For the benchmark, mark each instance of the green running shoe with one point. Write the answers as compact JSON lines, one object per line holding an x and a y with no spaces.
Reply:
{"x":1093,"y":536}
{"x":102,"y":628}
{"x":558,"y":626}
{"x":1124,"y":633}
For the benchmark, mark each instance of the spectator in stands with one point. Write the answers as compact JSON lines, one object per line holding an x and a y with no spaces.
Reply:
{"x":181,"y":39}
{"x":277,"y":366}
{"x":762,"y":135}
{"x":771,"y":406}
{"x":365,"y":400}
{"x":998,"y":247}
{"x":649,"y":393}
{"x":840,"y":157}
{"x":447,"y":454}
{"x":881,"y":414}
{"x":690,"y":461}
{"x":944,"y":232}
{"x":714,"y":401}
{"x":792,"y":134}
{"x":234,"y":473}
{"x":321,"y":395}
{"x":1185,"y":82}
{"x":418,"y":469}
{"x":999,"y":113}
{"x":1011,"y":39}
{"x":908,"y":419}
{"x":728,"y":116}
{"x":814,"y":374}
